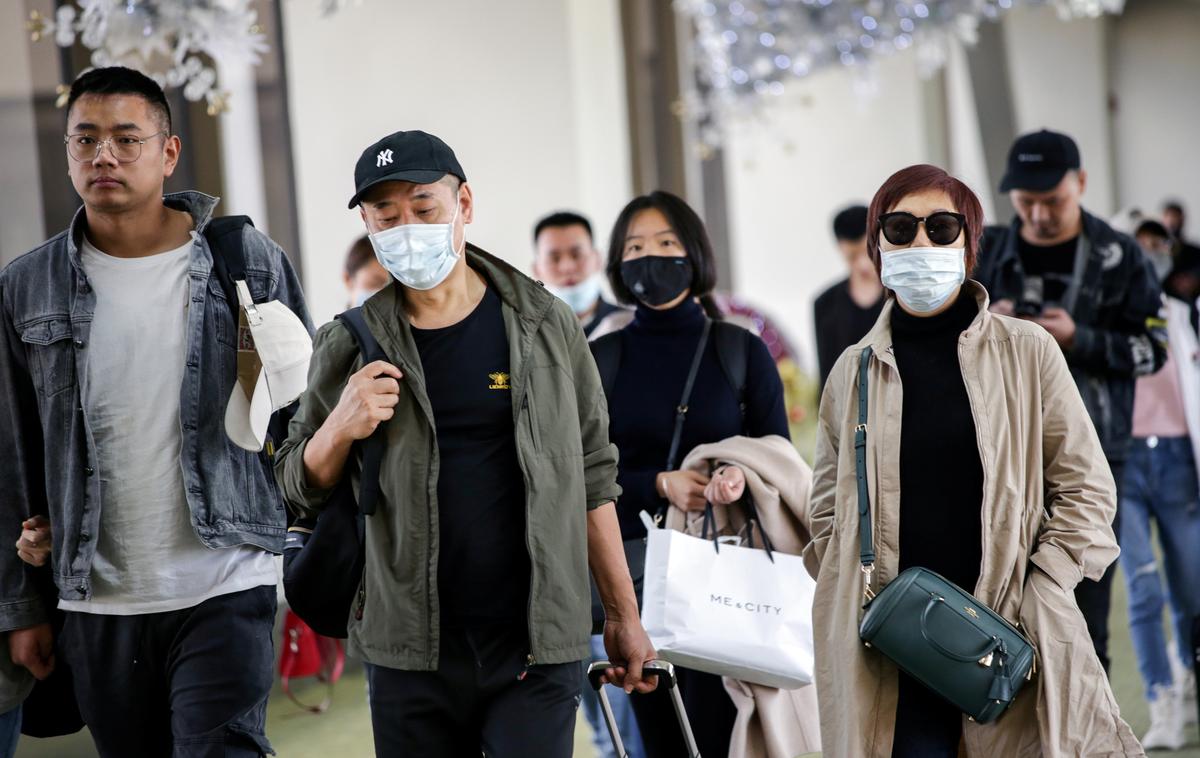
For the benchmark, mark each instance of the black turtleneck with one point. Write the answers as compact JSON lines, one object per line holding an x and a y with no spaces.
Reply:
{"x":941,"y":478}
{"x":656,"y":352}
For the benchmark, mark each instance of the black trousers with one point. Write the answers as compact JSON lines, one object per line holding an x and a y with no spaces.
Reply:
{"x":709,"y":710}
{"x":926,"y":725}
{"x":483,"y":699}
{"x":188,"y":684}
{"x":1095,"y":598}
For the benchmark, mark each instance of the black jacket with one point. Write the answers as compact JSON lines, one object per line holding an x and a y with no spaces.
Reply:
{"x":1116,"y":302}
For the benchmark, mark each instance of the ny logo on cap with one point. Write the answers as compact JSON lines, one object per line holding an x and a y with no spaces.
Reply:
{"x":384,"y":158}
{"x":1030,"y":158}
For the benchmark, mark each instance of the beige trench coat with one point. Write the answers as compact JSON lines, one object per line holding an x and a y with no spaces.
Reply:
{"x":1048,"y":506}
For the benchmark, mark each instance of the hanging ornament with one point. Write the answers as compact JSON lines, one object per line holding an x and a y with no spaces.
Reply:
{"x":168,"y":40}
{"x":747,"y":52}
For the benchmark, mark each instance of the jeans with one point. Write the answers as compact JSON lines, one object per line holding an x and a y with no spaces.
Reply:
{"x":1160,"y":483}
{"x":10,"y":731}
{"x":191,"y":683}
{"x":622,"y":714}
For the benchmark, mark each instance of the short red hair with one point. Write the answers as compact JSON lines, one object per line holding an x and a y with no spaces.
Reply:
{"x":920,"y":178}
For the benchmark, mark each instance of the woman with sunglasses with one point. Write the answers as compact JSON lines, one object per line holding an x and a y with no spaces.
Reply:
{"x":660,"y":260}
{"x":983,"y":466}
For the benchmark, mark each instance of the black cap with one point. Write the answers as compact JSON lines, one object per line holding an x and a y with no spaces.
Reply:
{"x":412,"y":156}
{"x":1037,"y":162}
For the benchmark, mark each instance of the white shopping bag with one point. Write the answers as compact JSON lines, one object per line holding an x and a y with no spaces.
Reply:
{"x":733,"y":613}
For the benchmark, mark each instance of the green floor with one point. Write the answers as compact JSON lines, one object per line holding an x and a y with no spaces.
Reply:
{"x":345,"y":731}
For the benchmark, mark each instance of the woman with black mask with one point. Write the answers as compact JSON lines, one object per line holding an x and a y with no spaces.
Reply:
{"x":661,"y":261}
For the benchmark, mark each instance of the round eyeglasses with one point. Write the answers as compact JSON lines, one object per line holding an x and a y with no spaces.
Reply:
{"x":126,"y":148}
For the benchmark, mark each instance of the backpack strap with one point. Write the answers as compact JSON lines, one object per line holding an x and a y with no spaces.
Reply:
{"x":606,"y":351}
{"x":224,"y":237}
{"x":372,"y":447}
{"x":733,"y":353}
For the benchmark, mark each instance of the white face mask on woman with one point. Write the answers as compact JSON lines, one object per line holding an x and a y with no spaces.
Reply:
{"x":420,"y":256}
{"x":923,"y":278}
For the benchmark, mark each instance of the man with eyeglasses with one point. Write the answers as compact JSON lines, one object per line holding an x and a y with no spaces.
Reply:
{"x":117,"y":348}
{"x":1092,"y":288}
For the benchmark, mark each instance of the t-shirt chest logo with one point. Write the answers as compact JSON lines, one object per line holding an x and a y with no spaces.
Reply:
{"x":499,"y":381}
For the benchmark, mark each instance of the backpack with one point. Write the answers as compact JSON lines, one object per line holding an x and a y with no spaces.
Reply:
{"x":323,"y":558}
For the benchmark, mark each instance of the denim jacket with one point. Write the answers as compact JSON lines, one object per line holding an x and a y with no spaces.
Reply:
{"x":47,"y":452}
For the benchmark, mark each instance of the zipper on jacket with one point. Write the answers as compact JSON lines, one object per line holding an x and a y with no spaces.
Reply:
{"x":362,"y":598}
{"x":528,"y":545}
{"x":533,"y":430}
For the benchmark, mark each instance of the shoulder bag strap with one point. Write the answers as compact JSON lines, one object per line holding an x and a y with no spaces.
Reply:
{"x":372,"y":447}
{"x":682,"y":409}
{"x":866,"y":545}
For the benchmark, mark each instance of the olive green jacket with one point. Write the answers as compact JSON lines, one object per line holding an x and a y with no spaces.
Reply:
{"x":561,"y":425}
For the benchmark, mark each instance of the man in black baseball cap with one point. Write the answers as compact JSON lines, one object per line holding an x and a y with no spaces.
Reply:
{"x":1088,"y":285}
{"x":497,"y":484}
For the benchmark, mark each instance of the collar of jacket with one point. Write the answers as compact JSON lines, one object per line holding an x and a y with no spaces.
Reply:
{"x":198,"y":204}
{"x":1095,"y":231}
{"x":880,"y":336}
{"x":527,"y":304}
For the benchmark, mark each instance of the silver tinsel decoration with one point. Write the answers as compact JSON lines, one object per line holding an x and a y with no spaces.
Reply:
{"x":748,"y":51}
{"x":171,"y":41}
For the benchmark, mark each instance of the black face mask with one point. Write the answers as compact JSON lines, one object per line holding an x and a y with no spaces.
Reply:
{"x":657,"y":279}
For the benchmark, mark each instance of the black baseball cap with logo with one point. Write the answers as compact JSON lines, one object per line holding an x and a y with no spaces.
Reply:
{"x":1037,"y":162}
{"x":412,"y":156}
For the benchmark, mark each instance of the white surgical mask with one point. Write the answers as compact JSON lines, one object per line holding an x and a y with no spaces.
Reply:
{"x":924,"y":278}
{"x":420,"y":256}
{"x":581,"y":297}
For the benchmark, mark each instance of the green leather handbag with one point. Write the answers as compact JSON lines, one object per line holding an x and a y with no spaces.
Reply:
{"x":932,"y":629}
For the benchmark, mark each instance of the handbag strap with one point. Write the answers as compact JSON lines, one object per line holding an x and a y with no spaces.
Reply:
{"x":866,"y":553}
{"x":681,"y":410}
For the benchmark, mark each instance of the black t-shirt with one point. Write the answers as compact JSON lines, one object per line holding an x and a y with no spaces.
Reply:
{"x":483,"y":565}
{"x":840,"y":323}
{"x":1053,"y":265}
{"x":941,"y":476}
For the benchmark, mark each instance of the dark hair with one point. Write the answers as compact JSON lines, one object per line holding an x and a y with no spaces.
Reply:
{"x":692,"y":235}
{"x":919,"y":178}
{"x":118,"y":80}
{"x":560,"y":219}
{"x":850,"y":224}
{"x":1173,"y":205}
{"x":360,"y":254}
{"x":1150,"y":226}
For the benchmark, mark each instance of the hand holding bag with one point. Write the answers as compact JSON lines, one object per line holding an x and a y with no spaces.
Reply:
{"x":935,"y":631}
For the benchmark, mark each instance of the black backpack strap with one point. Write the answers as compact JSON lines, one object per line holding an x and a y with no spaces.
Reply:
{"x":606,"y":351}
{"x":372,"y":447}
{"x":224,"y":237}
{"x":733,"y":353}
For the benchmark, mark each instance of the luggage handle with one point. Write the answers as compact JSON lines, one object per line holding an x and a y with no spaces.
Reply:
{"x":665,"y":672}
{"x":983,"y":657}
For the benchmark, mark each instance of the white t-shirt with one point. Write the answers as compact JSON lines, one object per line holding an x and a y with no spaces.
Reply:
{"x":148,"y":556}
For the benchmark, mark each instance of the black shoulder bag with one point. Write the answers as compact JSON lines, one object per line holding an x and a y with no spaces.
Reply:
{"x":323,"y":558}
{"x":931,"y":628}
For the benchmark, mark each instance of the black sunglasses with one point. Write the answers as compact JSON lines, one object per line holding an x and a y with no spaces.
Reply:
{"x":942,"y":228}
